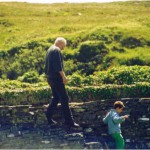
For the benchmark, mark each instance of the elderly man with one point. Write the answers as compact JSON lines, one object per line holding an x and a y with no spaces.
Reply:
{"x":54,"y":69}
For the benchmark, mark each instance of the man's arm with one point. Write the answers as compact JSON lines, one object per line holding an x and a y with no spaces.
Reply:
{"x":57,"y":64}
{"x":63,"y":77}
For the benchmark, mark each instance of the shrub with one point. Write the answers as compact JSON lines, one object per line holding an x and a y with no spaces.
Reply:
{"x":131,"y":42}
{"x":124,"y":75}
{"x":118,"y":36}
{"x":134,"y":61}
{"x":75,"y":80}
{"x":3,"y":54}
{"x":33,"y":44}
{"x":89,"y":80}
{"x":12,"y":74}
{"x":117,"y":49}
{"x":70,"y":66}
{"x":14,"y":50}
{"x":41,"y":94}
{"x":15,"y":84}
{"x":42,"y":78}
{"x":107,"y":62}
{"x":88,"y":50}
{"x":30,"y":77}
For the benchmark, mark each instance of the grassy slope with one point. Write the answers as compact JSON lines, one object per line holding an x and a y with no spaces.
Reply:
{"x":28,"y":22}
{"x":21,"y":23}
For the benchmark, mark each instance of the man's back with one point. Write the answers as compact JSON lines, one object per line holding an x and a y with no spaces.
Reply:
{"x":54,"y":63}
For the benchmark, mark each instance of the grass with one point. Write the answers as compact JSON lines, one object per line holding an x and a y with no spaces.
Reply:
{"x":142,"y":54}
{"x":27,"y":30}
{"x":28,"y":22}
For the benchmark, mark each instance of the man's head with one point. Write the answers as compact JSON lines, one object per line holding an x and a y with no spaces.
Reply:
{"x":60,"y":42}
{"x":119,"y":106}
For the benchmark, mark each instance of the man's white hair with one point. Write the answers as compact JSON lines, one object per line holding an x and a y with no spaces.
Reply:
{"x":60,"y":39}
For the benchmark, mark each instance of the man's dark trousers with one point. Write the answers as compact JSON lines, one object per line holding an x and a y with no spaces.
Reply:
{"x":59,"y":95}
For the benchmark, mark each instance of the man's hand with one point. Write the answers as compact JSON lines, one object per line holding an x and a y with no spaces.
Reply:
{"x":63,"y":77}
{"x":65,"y":80}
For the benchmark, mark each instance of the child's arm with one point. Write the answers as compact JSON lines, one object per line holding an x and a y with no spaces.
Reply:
{"x":117,"y":119}
{"x":105,"y":120}
{"x":125,"y":116}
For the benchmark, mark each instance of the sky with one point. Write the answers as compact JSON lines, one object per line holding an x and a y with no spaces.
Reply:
{"x":61,"y":1}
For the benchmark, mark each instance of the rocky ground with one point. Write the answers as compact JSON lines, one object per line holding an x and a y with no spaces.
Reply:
{"x":25,"y":127}
{"x":26,"y":136}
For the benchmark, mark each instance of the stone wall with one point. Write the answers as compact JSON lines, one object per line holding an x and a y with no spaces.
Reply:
{"x":15,"y":120}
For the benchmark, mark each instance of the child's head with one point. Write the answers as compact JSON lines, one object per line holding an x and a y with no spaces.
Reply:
{"x":119,"y":106}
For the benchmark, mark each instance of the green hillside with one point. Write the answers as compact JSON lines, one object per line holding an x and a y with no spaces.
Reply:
{"x":99,"y":36}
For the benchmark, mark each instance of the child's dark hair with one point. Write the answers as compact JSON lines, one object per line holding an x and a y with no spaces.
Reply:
{"x":118,"y":104}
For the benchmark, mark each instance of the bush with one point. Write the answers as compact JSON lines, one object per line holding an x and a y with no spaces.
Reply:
{"x":12,"y":74}
{"x":41,"y":94}
{"x":107,"y":62}
{"x":88,"y":50}
{"x":33,"y":44}
{"x":14,"y":50}
{"x":75,"y":80}
{"x":89,"y":80}
{"x":116,"y":75}
{"x":135,"y":61}
{"x":30,"y":77}
{"x":86,"y":68}
{"x":15,"y":84}
{"x":12,"y":84}
{"x":109,"y":92}
{"x":132,"y":42}
{"x":70,"y":66}
{"x":118,"y":49}
{"x":43,"y":78}
{"x":124,"y":75}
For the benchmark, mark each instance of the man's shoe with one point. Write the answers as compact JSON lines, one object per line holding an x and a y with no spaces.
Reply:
{"x":52,"y":122}
{"x":74,"y":125}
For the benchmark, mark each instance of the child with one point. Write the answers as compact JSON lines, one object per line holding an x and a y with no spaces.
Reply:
{"x":113,"y":120}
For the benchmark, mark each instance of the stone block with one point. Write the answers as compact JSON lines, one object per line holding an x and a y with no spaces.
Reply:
{"x":93,"y":145}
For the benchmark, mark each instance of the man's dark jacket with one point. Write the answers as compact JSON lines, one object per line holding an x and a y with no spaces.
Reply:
{"x":54,"y":63}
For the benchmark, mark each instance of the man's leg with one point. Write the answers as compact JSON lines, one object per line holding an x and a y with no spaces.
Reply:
{"x":64,"y":99}
{"x":52,"y":106}
{"x":118,"y":140}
